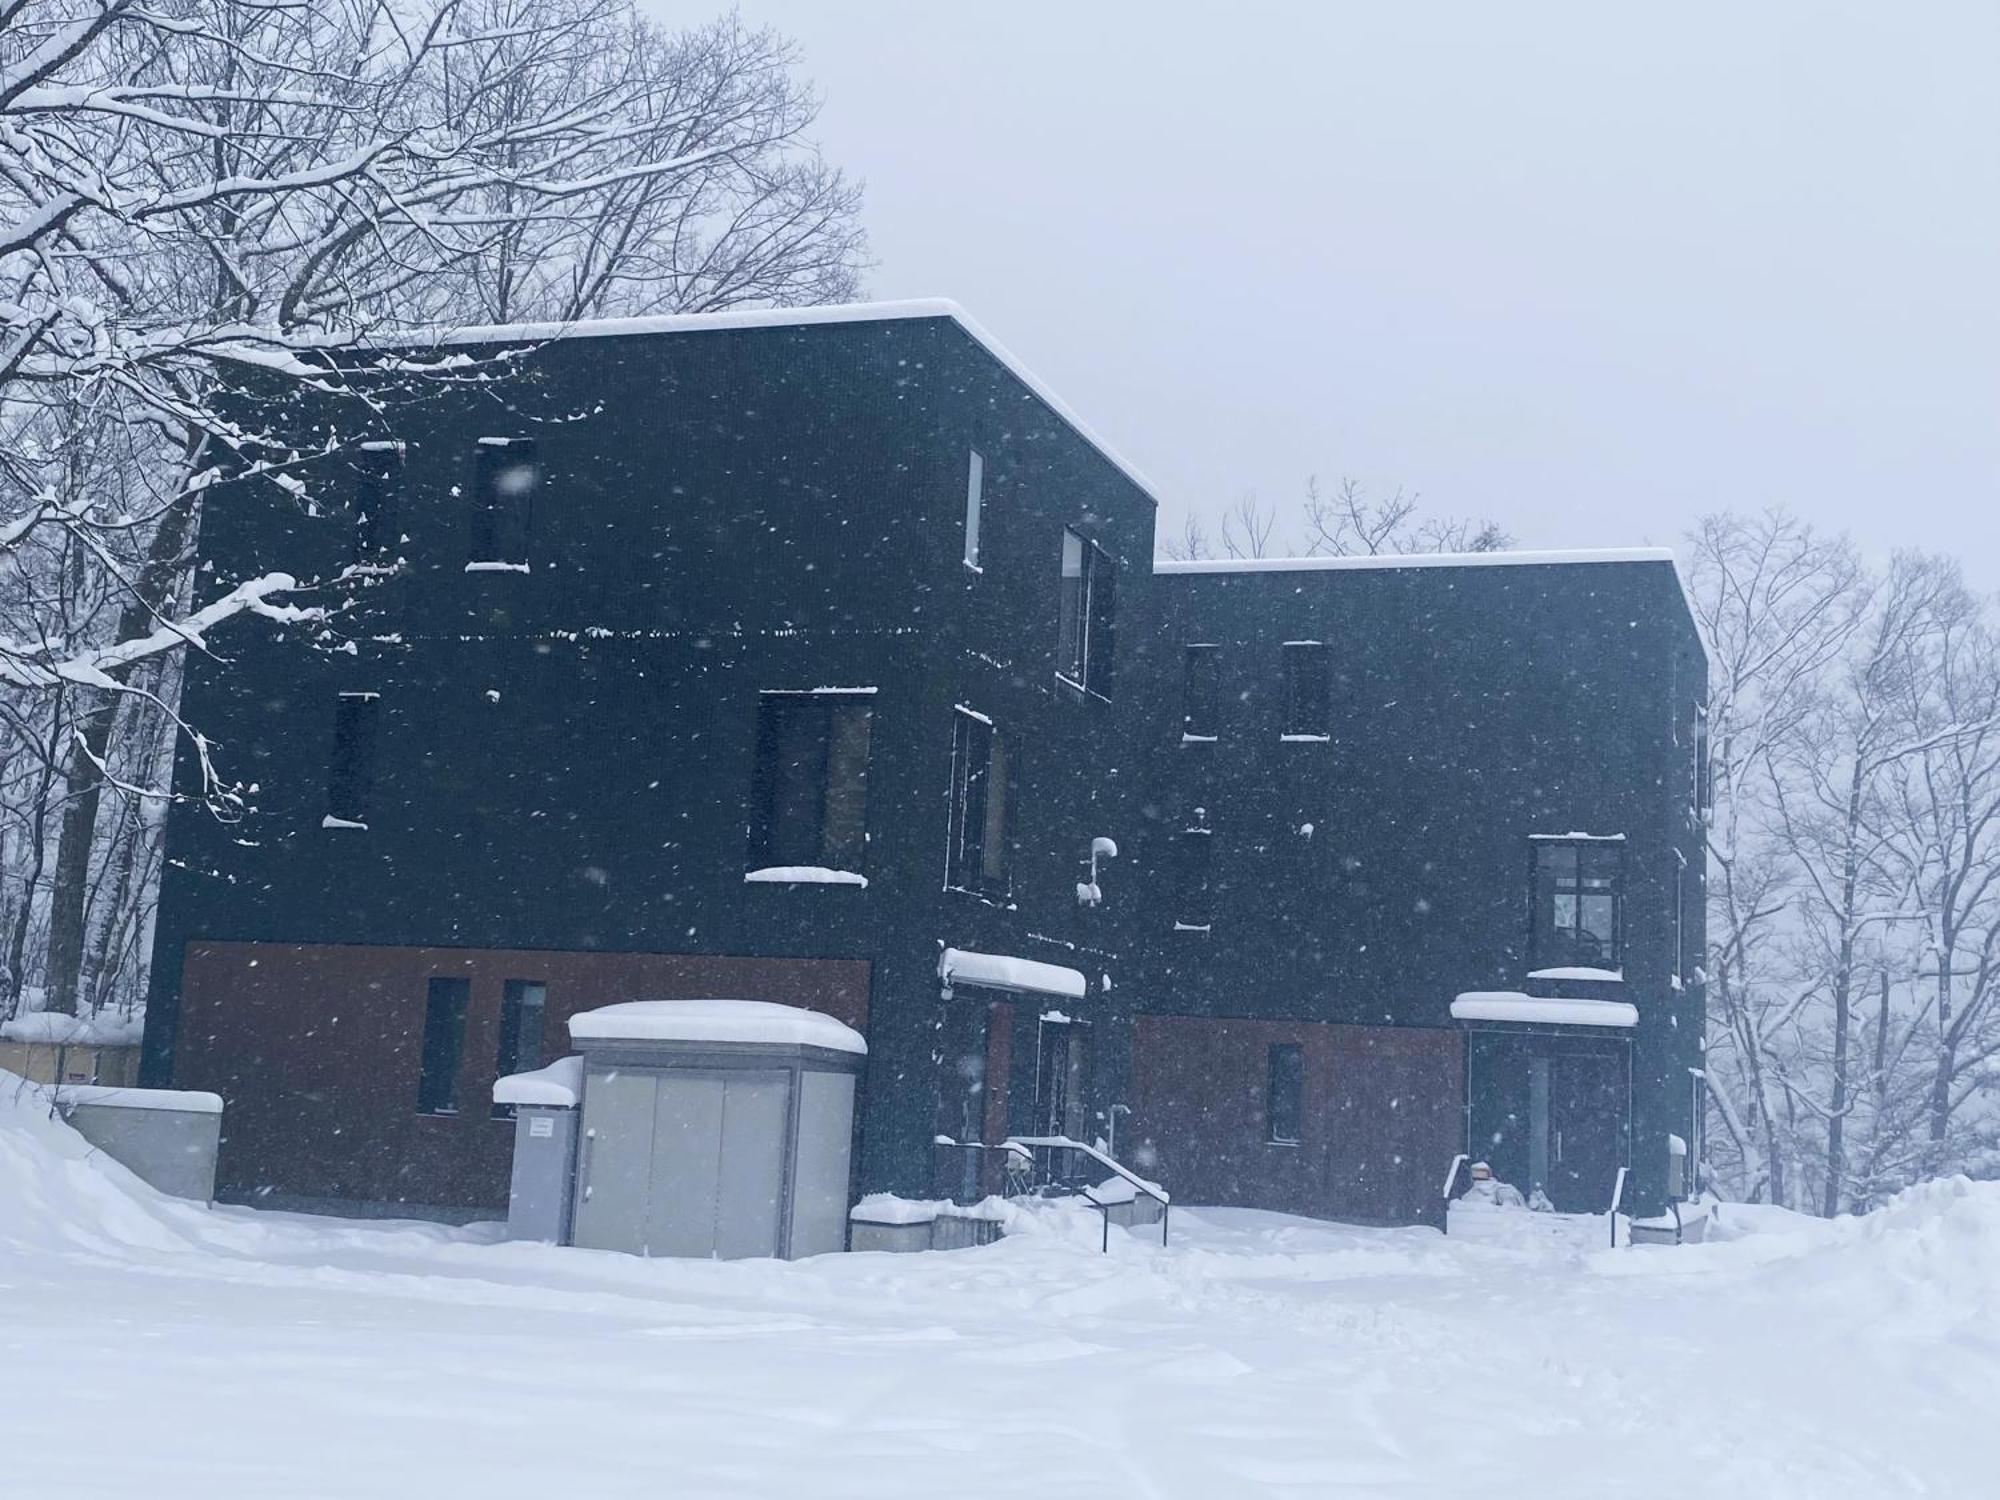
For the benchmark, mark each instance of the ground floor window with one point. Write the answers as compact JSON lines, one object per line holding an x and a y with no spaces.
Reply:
{"x":1285,"y":1094}
{"x":523,"y":1005}
{"x":444,"y":1043}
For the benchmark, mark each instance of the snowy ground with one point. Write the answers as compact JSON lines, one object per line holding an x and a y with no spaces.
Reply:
{"x":156,"y":1350}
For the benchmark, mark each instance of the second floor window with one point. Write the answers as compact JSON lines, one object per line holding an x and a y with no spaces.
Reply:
{"x":1307,"y":691}
{"x":378,"y":469}
{"x":506,"y":475}
{"x":1579,"y":899}
{"x":350,"y":773}
{"x":809,"y":786}
{"x":1201,"y":692}
{"x":982,"y":795}
{"x":1085,"y":611}
{"x":975,"y":495}
{"x":1194,"y":855}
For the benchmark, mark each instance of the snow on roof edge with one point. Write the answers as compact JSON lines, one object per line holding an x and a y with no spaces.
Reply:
{"x":908,"y":308}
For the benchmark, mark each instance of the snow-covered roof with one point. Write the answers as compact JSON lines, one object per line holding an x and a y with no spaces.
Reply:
{"x":1000,"y":971}
{"x":1512,"y":1005}
{"x":559,"y":1084}
{"x":714,"y":1021}
{"x":779,"y":317}
{"x":1578,"y":971}
{"x":186,"y":1101}
{"x":1391,"y":561}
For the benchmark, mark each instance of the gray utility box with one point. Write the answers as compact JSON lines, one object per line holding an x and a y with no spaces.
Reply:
{"x":715,"y":1128}
{"x":168,"y":1137}
{"x":544,"y":1104}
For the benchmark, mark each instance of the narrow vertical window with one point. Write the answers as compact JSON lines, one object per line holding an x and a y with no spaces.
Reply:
{"x":975,"y":483}
{"x":1086,"y":615}
{"x":444,"y":1042}
{"x":1703,"y":782}
{"x":378,"y":472}
{"x":1285,"y":1094}
{"x":523,"y":1005}
{"x":1307,"y":691}
{"x":1680,"y":915}
{"x":1194,"y":854}
{"x":350,"y":777}
{"x":507,"y":473}
{"x":809,"y":786}
{"x":1201,"y":691}
{"x":981,"y":797}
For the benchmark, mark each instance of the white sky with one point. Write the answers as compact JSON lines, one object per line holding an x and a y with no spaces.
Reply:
{"x":1585,"y":269}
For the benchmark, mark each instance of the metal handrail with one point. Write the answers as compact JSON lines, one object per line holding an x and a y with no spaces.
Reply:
{"x":1117,"y":1168}
{"x":1617,"y":1197}
{"x":1451,"y":1175}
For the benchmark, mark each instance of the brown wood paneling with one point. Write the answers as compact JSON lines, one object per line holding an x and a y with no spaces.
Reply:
{"x":1381,"y":1119}
{"x":316,"y":1051}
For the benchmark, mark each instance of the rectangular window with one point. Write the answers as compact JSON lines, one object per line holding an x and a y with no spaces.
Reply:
{"x":1579,"y":887}
{"x":1680,"y":915}
{"x":1285,"y":1094}
{"x":506,"y":474}
{"x":981,"y":806}
{"x":1201,"y":692}
{"x":1307,"y":691}
{"x":809,"y":787}
{"x":1703,"y":783}
{"x":350,"y":777}
{"x":975,"y":483}
{"x":523,"y":1005}
{"x":1085,"y":615}
{"x":1194,"y":906}
{"x":378,"y":474}
{"x":444,"y":1042}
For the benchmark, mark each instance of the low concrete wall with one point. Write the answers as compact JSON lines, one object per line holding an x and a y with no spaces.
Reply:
{"x":946,"y":1231}
{"x":164,"y":1137}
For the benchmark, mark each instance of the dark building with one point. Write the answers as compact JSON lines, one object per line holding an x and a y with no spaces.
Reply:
{"x":812,"y":657}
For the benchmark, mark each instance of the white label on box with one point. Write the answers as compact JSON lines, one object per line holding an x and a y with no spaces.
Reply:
{"x":541,"y":1125}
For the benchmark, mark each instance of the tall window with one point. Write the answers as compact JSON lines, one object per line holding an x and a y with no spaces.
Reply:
{"x":1307,"y":713}
{"x":982,"y":796}
{"x":975,"y":484}
{"x":1579,"y":888}
{"x":377,"y":481}
{"x":523,"y":1005}
{"x":809,"y":788}
{"x":1194,"y":854}
{"x":1084,"y":615}
{"x":350,"y":776}
{"x":506,"y":474}
{"x":1201,"y":691}
{"x":1703,"y":786}
{"x":1680,"y":915}
{"x":444,"y":1042}
{"x":1285,"y":1094}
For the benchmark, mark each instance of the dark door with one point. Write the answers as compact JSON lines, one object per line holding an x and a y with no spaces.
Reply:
{"x":1586,"y":1140}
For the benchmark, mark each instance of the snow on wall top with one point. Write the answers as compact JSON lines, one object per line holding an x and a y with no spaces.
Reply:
{"x":1001,"y":971}
{"x":1414,"y":560}
{"x":714,"y":1021}
{"x":559,"y":1084}
{"x":185,"y":1101}
{"x":1512,"y":1005}
{"x":783,"y":317}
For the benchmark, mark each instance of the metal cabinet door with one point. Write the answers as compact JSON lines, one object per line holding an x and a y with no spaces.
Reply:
{"x":615,"y":1163}
{"x":687,"y":1150}
{"x":750,"y":1185}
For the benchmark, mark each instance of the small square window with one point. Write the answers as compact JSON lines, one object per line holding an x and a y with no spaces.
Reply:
{"x":507,"y":474}
{"x":444,"y":1044}
{"x":1307,"y":691}
{"x":981,"y":806}
{"x":1285,"y":1094}
{"x":809,"y":786}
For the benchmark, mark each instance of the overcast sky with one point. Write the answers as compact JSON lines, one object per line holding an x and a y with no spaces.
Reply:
{"x":1583,"y":269}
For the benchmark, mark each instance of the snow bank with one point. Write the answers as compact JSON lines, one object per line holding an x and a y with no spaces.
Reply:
{"x":887,"y":1208}
{"x":559,"y":1084}
{"x":714,"y":1021}
{"x":46,"y":1028}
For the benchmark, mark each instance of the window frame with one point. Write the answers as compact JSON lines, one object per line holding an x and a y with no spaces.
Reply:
{"x":1307,"y":665}
{"x":975,"y":506}
{"x":1295,"y":1081}
{"x":442,"y":1055}
{"x":1194,"y":877}
{"x":970,"y":863}
{"x":378,"y":475}
{"x":350,"y":768}
{"x":509,"y":1055}
{"x":1192,"y":692}
{"x":502,"y":524}
{"x":1086,"y":612}
{"x":1541,"y":939}
{"x":769,"y":824}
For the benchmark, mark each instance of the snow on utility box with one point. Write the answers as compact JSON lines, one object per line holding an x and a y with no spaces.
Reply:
{"x":167,"y":1137}
{"x":714,"y":1128}
{"x":544,"y":1104}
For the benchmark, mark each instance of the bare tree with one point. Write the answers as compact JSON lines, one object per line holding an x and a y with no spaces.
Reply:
{"x":1247,"y":527}
{"x":1348,"y":523}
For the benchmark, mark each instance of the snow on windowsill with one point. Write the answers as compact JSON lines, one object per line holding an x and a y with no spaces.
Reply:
{"x":761,"y":1021}
{"x":1576,"y":837}
{"x":560,"y":1084}
{"x":1512,"y":1005}
{"x":330,"y":821}
{"x":1306,"y":739}
{"x":803,"y":875}
{"x":1198,"y":739}
{"x":496,"y":567}
{"x":1193,"y":926}
{"x":1606,"y":976}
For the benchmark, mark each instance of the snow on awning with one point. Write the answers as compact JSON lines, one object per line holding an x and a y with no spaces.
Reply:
{"x":1000,"y":971}
{"x":714,"y":1021}
{"x":559,"y":1084}
{"x":1512,"y":1005}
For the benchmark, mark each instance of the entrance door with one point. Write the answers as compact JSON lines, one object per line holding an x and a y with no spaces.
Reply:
{"x":1586,"y":1129}
{"x":1062,"y":1079}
